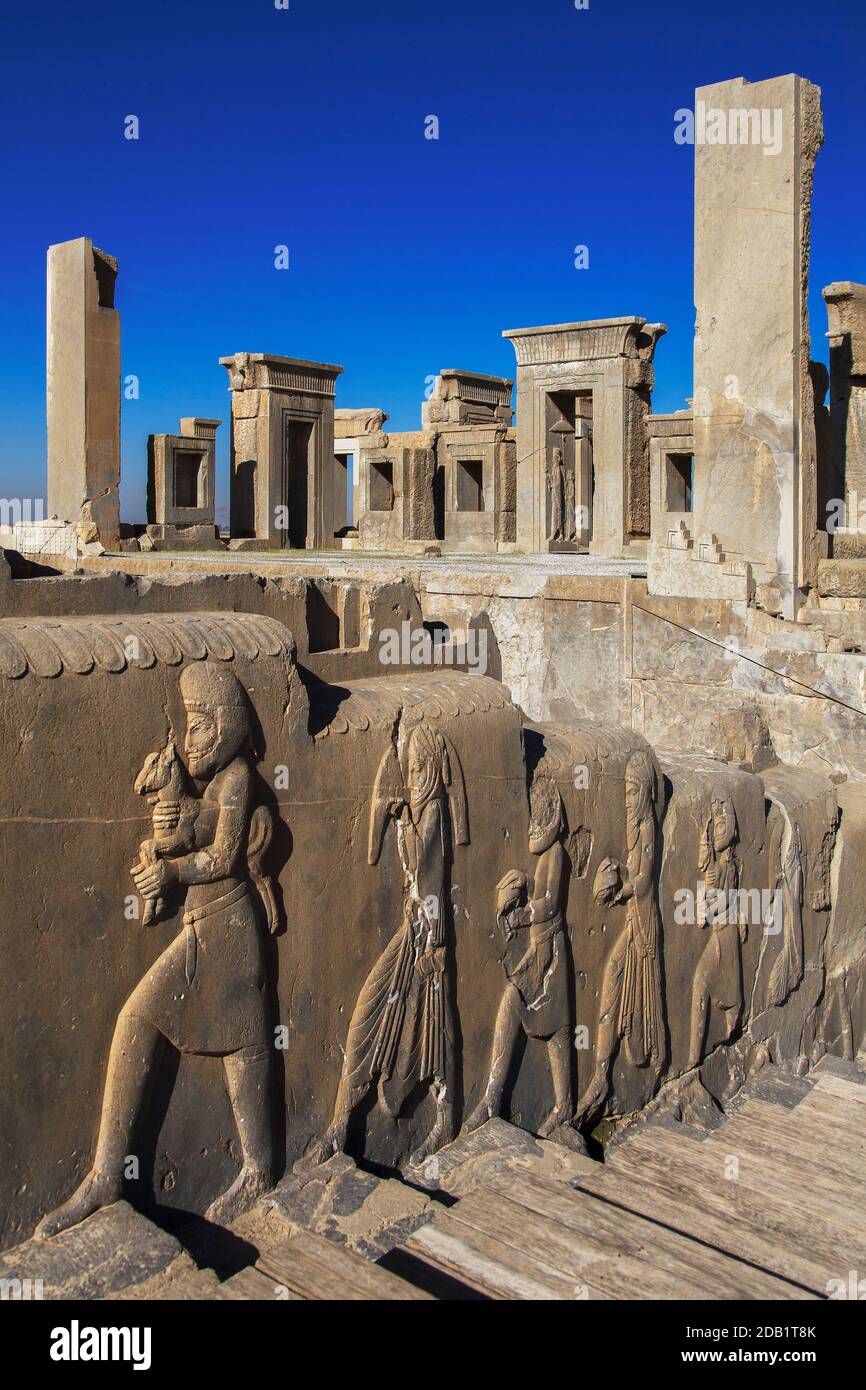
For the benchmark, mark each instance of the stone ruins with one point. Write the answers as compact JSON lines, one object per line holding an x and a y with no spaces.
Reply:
{"x":510,"y":769}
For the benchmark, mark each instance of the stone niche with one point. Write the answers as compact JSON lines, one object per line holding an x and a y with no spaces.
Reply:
{"x":283,"y":469}
{"x":83,"y":391}
{"x":397,"y":483}
{"x":476,"y":460}
{"x":583,"y":395}
{"x":181,"y":486}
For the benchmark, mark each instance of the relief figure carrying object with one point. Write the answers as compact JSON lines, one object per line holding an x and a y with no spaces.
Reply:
{"x":205,"y":995}
{"x":632,"y":1004}
{"x":401,"y":1035}
{"x":719,"y":975}
{"x":536,"y":998}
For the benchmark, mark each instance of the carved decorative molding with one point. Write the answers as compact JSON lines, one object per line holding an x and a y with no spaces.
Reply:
{"x":50,"y":647}
{"x":587,"y":341}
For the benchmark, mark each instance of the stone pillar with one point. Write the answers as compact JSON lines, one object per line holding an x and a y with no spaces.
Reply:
{"x":604,"y":365}
{"x":282,"y":451}
{"x":83,"y":390}
{"x":755,"y":468}
{"x":419,"y":472}
{"x":846,"y":312}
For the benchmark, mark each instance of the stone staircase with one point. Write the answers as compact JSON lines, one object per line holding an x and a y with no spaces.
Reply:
{"x":770,"y":1205}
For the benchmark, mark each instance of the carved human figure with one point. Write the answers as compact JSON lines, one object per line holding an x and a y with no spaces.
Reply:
{"x":718,"y":979}
{"x":555,"y":486}
{"x":570,"y":514}
{"x":205,"y":994}
{"x":536,"y":1001}
{"x":401,"y":1034}
{"x":632,"y":1006}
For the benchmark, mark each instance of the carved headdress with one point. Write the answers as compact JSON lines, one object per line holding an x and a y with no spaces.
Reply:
{"x":441,"y":771}
{"x":208,"y":687}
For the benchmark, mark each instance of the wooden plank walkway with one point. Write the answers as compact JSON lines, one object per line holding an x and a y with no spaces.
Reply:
{"x":772,"y":1205}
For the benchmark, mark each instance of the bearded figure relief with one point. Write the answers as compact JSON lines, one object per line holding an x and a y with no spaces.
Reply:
{"x":401,"y":1036}
{"x":205,"y":995}
{"x":632,"y":1005}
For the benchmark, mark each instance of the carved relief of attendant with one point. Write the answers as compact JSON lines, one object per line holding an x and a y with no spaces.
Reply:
{"x":570,"y":514}
{"x":536,"y":1000}
{"x":719,"y":975}
{"x":205,"y":994}
{"x":401,"y":1032}
{"x":556,"y":486}
{"x":632,"y":1006}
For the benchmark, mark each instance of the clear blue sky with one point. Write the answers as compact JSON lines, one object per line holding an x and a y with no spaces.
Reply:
{"x":305,"y":126}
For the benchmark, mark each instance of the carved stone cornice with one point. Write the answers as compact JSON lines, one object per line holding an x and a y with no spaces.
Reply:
{"x":266,"y":372}
{"x":591,"y":340}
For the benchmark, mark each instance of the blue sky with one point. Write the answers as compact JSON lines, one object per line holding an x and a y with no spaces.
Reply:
{"x":305,"y":127}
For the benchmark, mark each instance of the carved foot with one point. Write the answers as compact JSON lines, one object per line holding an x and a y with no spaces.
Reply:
{"x":332,"y":1142}
{"x":592,"y":1099}
{"x":558,"y":1116}
{"x":249,"y":1185}
{"x":441,"y":1133}
{"x":98,"y":1190}
{"x":485,"y":1110}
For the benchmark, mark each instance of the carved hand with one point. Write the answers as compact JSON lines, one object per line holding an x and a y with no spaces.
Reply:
{"x":166,"y":815}
{"x":151,"y":880}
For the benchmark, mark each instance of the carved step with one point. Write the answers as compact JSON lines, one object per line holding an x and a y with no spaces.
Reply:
{"x":114,"y":1249}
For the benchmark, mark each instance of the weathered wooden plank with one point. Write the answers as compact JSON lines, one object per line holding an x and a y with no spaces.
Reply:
{"x":490,"y":1266}
{"x":808,"y":1183}
{"x":823,"y":1170}
{"x":318,"y":1268}
{"x":734,"y":1222}
{"x":706,"y":1272}
{"x":838,"y":1086}
{"x":253,"y":1284}
{"x":815,"y":1125}
{"x":582,"y":1257}
{"x":846,"y":1117}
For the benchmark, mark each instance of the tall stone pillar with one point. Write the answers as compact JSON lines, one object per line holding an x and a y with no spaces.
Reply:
{"x":846,"y":312}
{"x":84,"y":391}
{"x":755,"y":464}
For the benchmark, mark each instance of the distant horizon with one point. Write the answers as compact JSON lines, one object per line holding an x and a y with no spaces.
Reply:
{"x":305,"y":128}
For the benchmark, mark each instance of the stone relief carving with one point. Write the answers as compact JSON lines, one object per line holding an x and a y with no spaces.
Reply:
{"x":556,"y":489}
{"x":718,"y":979}
{"x":205,"y":995}
{"x":632,"y":1010}
{"x":570,"y":513}
{"x":401,"y":1035}
{"x":536,"y":999}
